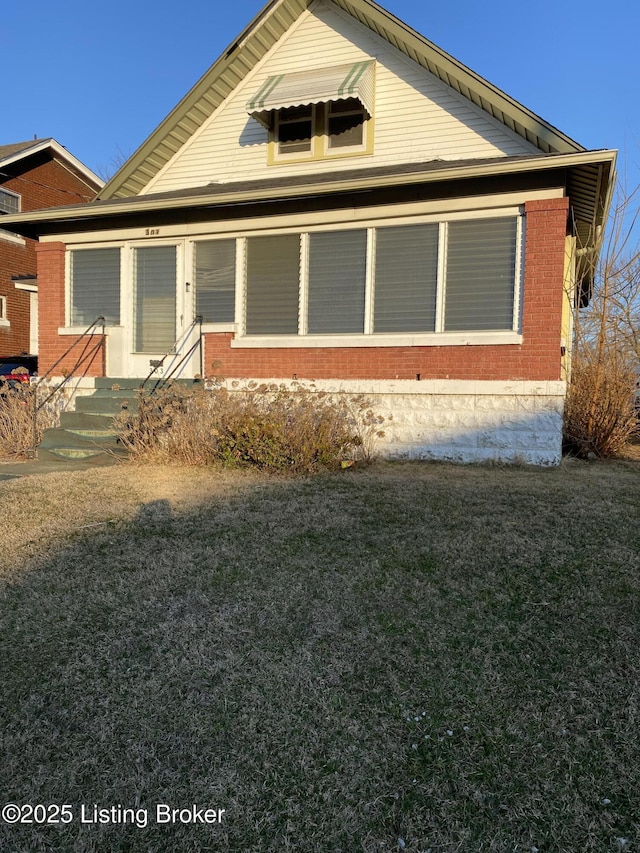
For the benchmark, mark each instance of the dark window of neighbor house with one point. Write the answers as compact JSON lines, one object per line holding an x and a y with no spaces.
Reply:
{"x":337,"y":278}
{"x":480,"y":274}
{"x":9,"y":202}
{"x":95,"y":286}
{"x":215,"y":277}
{"x":273,"y":274}
{"x":406,"y":278}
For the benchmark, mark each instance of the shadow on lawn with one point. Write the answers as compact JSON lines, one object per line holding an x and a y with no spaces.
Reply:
{"x":440,"y":657}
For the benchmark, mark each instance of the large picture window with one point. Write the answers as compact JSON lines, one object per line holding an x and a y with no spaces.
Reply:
{"x":95,"y":286}
{"x":435,"y":277}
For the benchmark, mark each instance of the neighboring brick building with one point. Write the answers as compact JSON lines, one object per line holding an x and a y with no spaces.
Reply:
{"x":341,"y":201}
{"x":33,"y":175}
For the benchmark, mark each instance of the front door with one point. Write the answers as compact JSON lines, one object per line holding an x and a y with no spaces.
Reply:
{"x":155,"y":326}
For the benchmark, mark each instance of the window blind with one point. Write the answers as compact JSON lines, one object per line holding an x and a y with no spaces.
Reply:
{"x":480,"y":277}
{"x":406,"y":279}
{"x":273,"y":271}
{"x":337,"y":278}
{"x":155,"y":299}
{"x":95,"y":286}
{"x":215,"y":277}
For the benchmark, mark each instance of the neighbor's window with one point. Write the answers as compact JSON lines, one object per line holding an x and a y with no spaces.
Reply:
{"x":9,"y":202}
{"x":215,"y":278}
{"x":95,"y":286}
{"x":3,"y":307}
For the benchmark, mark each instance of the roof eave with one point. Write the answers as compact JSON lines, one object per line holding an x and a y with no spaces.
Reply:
{"x":591,"y":164}
{"x":61,"y":153}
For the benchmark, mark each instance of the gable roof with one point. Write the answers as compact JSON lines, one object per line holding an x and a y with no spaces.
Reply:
{"x":257,"y":39}
{"x":15,"y":152}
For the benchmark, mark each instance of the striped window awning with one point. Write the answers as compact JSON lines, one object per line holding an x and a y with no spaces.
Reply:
{"x":355,"y":80}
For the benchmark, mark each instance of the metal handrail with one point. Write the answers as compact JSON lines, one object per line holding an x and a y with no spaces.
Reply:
{"x":164,"y":380}
{"x":86,"y":355}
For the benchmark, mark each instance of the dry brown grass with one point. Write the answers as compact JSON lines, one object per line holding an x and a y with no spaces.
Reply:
{"x":441,"y":656}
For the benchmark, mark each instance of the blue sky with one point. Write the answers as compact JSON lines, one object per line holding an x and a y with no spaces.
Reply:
{"x":100,"y":78}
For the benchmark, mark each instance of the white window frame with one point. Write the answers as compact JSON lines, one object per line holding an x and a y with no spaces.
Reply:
{"x":4,"y":320}
{"x":369,"y":338}
{"x":68,"y":329}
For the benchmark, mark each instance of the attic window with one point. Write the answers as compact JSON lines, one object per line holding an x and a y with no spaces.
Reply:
{"x":319,"y":113}
{"x":9,"y":202}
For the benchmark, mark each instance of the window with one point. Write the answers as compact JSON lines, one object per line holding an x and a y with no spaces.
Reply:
{"x":95,"y":286}
{"x":337,"y":277}
{"x":481,"y":263}
{"x":154,"y":295}
{"x":215,"y":280}
{"x":3,"y":308}
{"x":428,"y":278}
{"x":9,"y":202}
{"x":273,"y":276}
{"x":345,"y":124}
{"x":319,"y":112}
{"x":331,"y":129}
{"x":294,"y":130}
{"x":406,"y":279}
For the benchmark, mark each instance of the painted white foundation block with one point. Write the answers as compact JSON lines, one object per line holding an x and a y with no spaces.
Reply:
{"x":460,"y":421}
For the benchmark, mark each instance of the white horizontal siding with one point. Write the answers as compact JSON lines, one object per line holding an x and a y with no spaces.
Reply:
{"x":417,"y":117}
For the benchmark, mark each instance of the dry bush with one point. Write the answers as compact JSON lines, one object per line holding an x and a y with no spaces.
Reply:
{"x":17,"y":423}
{"x":270,"y":427}
{"x":600,"y":415}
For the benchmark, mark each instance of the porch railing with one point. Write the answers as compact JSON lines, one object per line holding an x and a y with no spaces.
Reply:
{"x":180,"y":360}
{"x":84,"y":359}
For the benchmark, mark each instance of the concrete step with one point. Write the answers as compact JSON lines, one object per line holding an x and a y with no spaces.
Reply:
{"x":107,"y":405}
{"x":78,"y":455}
{"x":84,"y":420}
{"x":71,"y":438}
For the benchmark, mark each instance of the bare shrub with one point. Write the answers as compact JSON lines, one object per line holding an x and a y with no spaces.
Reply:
{"x":600,"y":415}
{"x":271,"y":427}
{"x":17,"y":422}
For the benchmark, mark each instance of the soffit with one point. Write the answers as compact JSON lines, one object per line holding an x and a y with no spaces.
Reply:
{"x":262,"y":34}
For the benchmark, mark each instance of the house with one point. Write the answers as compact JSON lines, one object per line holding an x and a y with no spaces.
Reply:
{"x":339,"y":200}
{"x":33,"y":175}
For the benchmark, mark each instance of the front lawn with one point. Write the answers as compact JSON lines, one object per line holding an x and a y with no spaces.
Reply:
{"x":409,"y":656}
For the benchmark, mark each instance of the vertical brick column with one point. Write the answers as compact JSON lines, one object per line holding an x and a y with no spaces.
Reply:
{"x":50,"y":258}
{"x":546,"y":224}
{"x":51,"y":316}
